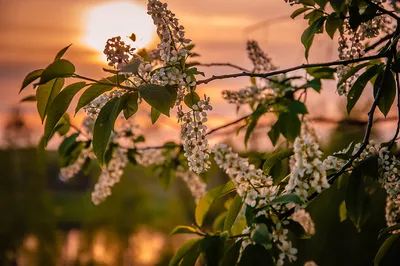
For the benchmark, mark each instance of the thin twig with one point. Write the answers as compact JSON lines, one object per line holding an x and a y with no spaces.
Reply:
{"x":225,"y":64}
{"x":379,"y":42}
{"x":228,"y":125}
{"x":104,"y":83}
{"x":398,"y":112}
{"x":283,"y":71}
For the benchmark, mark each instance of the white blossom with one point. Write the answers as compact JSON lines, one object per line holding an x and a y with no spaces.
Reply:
{"x":308,"y":171}
{"x":193,"y":135}
{"x":303,"y":217}
{"x":110,"y":175}
{"x":71,"y":170}
{"x":196,"y":186}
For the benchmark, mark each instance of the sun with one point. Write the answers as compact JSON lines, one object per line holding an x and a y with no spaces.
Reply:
{"x":118,"y":19}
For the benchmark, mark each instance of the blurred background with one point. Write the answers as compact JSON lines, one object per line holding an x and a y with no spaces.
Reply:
{"x":44,"y":221}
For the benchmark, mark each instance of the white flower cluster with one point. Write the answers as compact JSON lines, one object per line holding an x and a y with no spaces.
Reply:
{"x":351,"y":44}
{"x":66,"y":173}
{"x":285,"y":246}
{"x":251,"y":184}
{"x":303,"y":217}
{"x":244,"y":96}
{"x":150,"y":156}
{"x":392,"y":210}
{"x":172,"y":49}
{"x":345,"y":87}
{"x":110,"y":175}
{"x":193,"y":135}
{"x":118,"y":53}
{"x":308,"y":171}
{"x":93,"y":108}
{"x":261,"y":62}
{"x":196,"y":186}
{"x":390,"y":174}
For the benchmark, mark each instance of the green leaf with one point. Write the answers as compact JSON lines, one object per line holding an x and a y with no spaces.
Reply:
{"x":388,"y":91}
{"x":233,"y":212}
{"x":359,"y":85}
{"x":181,"y":229}
{"x":191,"y":255}
{"x":307,"y":2}
{"x":157,"y":97}
{"x":297,"y":229}
{"x":289,"y":125}
{"x":274,"y":133}
{"x":321,"y":3}
{"x":275,"y":158}
{"x":132,"y":67}
{"x":396,"y":66}
{"x":287,"y":198}
{"x":321,"y":72}
{"x":228,"y":188}
{"x":261,"y":235}
{"x":338,"y":5}
{"x":58,"y":69}
{"x":92,"y":93}
{"x":358,"y":202}
{"x":384,"y":249}
{"x":313,"y":16}
{"x":205,"y":203}
{"x":66,"y":144}
{"x":297,"y":107}
{"x":332,"y":24}
{"x":58,"y":107}
{"x":154,"y":114}
{"x":129,"y":103}
{"x":186,"y":247}
{"x":218,"y":223}
{"x":315,"y":84}
{"x":46,"y":93}
{"x":299,"y":11}
{"x":232,"y":255}
{"x":256,"y":255}
{"x":61,"y":53}
{"x":352,"y":72}
{"x":29,"y":98}
{"x":342,"y":211}
{"x":103,"y":126}
{"x":252,"y":125}
{"x":308,"y":35}
{"x":62,"y":127}
{"x":191,"y":99}
{"x":31,"y":77}
{"x":388,"y":230}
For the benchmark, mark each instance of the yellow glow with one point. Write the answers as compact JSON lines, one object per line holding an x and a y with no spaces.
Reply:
{"x":118,"y":19}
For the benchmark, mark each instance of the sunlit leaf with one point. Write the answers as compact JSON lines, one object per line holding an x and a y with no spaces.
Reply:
{"x":92,"y":93}
{"x":45,"y":95}
{"x":58,"y":69}
{"x":59,"y":106}
{"x":31,"y":77}
{"x":103,"y":126}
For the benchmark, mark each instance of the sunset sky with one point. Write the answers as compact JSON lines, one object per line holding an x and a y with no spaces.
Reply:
{"x":33,"y":31}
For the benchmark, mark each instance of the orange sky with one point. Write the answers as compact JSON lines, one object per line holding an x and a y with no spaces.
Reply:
{"x":33,"y":31}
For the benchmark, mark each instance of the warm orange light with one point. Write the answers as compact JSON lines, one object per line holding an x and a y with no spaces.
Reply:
{"x":118,"y":19}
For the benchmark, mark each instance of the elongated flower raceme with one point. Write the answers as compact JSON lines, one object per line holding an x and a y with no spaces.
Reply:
{"x":195,"y":185}
{"x":193,"y":135}
{"x":308,"y":171}
{"x":110,"y":175}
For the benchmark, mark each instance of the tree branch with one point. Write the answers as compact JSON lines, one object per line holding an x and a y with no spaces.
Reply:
{"x":387,"y":12}
{"x":225,"y":64}
{"x":283,"y":71}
